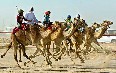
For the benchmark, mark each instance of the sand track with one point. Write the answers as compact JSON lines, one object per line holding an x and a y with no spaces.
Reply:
{"x":95,"y":63}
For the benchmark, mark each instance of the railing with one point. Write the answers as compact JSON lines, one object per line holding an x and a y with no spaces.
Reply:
{"x":109,"y":35}
{"x":5,"y":32}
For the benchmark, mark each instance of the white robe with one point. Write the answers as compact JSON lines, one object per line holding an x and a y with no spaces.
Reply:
{"x":31,"y":16}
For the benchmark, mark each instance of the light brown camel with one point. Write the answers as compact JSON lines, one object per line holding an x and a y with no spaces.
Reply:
{"x":75,"y":39}
{"x":78,"y":36}
{"x":56,"y":35}
{"x":92,"y":35}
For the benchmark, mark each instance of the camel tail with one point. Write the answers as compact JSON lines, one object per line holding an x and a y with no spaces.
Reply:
{"x":9,"y":45}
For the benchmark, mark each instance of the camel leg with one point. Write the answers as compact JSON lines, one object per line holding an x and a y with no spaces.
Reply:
{"x":53,"y":47}
{"x":78,"y":51}
{"x":57,"y":49}
{"x":5,"y":53}
{"x":47,"y":56}
{"x":80,"y":57}
{"x":96,"y":42}
{"x":37,"y":50}
{"x":66,"y":46}
{"x":48,"y":48}
{"x":38,"y":46}
{"x":60,"y":53}
{"x":9,"y":46}
{"x":24,"y":54}
{"x":15,"y":55}
{"x":34,"y":55}
{"x":20,"y":53}
{"x":56,"y":54}
{"x":88,"y":49}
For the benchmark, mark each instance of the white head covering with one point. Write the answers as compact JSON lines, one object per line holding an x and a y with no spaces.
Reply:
{"x":32,"y":9}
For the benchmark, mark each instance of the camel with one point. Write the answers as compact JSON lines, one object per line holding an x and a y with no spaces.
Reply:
{"x":92,"y":35}
{"x":88,"y":34}
{"x":75,"y":39}
{"x":104,"y":27}
{"x":56,"y":35}
{"x":21,"y":39}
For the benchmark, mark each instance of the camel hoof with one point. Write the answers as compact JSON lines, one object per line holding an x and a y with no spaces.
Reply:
{"x":1,"y":56}
{"x":59,"y":58}
{"x":19,"y":66}
{"x":82,"y":61}
{"x":34,"y":62}
{"x":56,"y":59}
{"x":20,"y":60}
{"x":25,"y":63}
{"x":50,"y":63}
{"x":31,"y":57}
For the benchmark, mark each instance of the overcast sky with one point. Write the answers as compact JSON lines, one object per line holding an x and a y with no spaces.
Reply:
{"x":90,"y":10}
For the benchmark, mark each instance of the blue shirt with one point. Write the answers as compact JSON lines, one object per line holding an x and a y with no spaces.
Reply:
{"x":47,"y":18}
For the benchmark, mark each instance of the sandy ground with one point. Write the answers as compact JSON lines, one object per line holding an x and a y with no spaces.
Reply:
{"x":94,"y":63}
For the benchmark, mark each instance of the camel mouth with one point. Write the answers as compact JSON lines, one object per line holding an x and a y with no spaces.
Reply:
{"x":111,"y":22}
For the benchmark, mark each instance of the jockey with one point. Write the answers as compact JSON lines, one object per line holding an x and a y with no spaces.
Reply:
{"x":46,"y":21}
{"x":31,"y":16}
{"x":78,"y":16}
{"x":20,"y":18}
{"x":68,"y":22}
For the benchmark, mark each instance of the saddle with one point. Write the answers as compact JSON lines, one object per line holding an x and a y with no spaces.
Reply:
{"x":23,"y":27}
{"x":48,"y":26}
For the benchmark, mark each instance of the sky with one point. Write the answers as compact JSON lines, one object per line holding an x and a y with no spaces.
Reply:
{"x":90,"y":10}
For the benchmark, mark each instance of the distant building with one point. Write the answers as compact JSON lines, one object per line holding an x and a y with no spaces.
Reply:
{"x":8,"y":29}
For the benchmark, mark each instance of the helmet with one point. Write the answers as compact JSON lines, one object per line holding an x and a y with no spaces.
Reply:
{"x":47,"y":12}
{"x":69,"y":16}
{"x":20,"y":11}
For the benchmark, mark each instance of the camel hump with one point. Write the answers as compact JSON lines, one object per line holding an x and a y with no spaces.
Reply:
{"x":46,"y":33}
{"x":56,"y":34}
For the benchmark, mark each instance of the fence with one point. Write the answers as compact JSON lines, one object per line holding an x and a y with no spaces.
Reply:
{"x":5,"y":37}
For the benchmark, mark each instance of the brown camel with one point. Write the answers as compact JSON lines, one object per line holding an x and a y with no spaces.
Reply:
{"x":20,"y":39}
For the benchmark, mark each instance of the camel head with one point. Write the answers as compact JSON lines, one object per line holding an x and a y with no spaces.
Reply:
{"x":56,"y":23}
{"x":80,"y":22}
{"x":106,"y":23}
{"x":95,"y":25}
{"x":75,"y":21}
{"x":84,"y":24}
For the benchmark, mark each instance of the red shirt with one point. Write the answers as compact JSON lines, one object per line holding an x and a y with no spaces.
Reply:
{"x":20,"y":19}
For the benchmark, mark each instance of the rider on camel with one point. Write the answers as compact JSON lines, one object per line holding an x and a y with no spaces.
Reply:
{"x":31,"y":16}
{"x":46,"y":21}
{"x":68,"y":22}
{"x":20,"y":19}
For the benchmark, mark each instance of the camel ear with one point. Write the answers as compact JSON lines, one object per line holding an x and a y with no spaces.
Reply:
{"x":94,"y":22}
{"x":104,"y":21}
{"x":74,"y":18}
